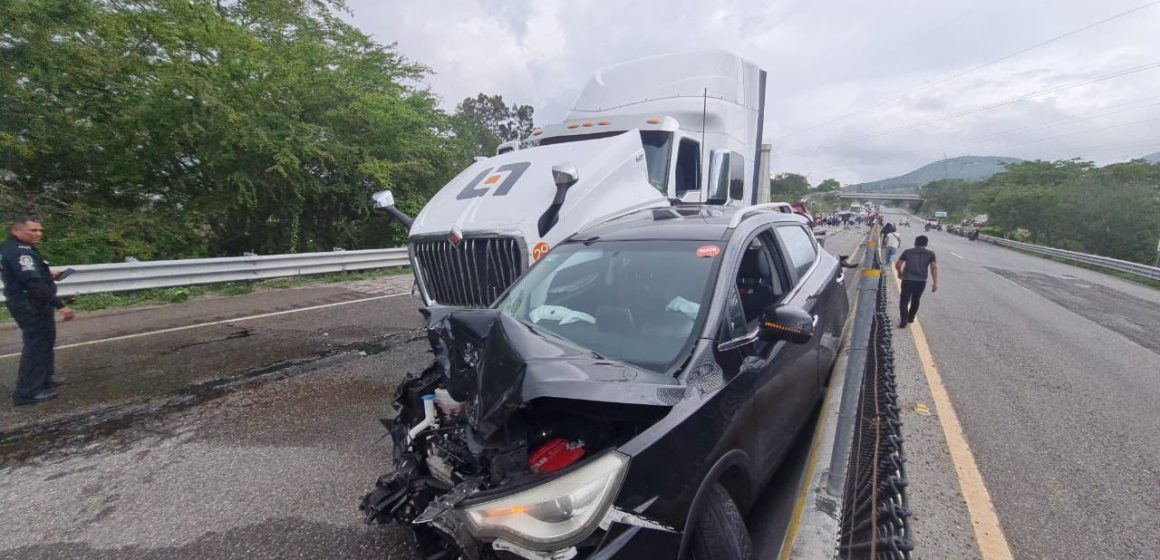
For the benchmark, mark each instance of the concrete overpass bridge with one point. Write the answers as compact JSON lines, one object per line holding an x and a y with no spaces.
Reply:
{"x":910,"y":201}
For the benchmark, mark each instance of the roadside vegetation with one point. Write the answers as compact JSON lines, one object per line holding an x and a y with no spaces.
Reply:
{"x":166,"y":129}
{"x":1112,"y":211}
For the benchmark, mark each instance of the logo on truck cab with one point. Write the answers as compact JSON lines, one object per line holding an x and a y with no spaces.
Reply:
{"x":487,"y":178}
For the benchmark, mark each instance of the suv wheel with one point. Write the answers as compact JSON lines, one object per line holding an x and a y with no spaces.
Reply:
{"x":720,"y":531}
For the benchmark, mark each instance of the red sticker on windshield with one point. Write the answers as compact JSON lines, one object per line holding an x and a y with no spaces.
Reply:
{"x":708,"y":251}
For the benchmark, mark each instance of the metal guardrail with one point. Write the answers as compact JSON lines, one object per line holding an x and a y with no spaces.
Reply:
{"x":875,"y":509}
{"x":119,"y":277}
{"x":1142,"y":270}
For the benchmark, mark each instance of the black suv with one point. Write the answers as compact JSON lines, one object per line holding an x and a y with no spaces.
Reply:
{"x":628,"y":397}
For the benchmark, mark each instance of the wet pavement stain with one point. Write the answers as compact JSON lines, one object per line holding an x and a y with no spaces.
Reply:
{"x":27,"y":442}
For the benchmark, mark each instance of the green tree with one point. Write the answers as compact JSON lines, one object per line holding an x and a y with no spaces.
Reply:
{"x":788,"y":187}
{"x":199,"y":127}
{"x":486,"y":121}
{"x":829,"y":185}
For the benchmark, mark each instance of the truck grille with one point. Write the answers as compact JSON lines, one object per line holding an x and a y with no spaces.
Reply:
{"x":473,"y":274}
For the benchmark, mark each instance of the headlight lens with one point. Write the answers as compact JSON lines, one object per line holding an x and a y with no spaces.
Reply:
{"x":557,"y":513}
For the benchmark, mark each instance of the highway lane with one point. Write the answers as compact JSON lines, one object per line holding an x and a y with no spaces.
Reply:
{"x":1054,"y":372}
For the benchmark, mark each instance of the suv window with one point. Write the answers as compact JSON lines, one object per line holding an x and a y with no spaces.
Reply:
{"x":760,"y":283}
{"x":799,"y":247}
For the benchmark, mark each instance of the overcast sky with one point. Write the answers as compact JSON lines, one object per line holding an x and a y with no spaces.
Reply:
{"x":857,"y":90}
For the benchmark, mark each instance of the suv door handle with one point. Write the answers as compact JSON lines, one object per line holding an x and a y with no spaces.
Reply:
{"x":841,"y":278}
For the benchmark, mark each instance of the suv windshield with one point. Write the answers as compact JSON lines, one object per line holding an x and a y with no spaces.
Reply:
{"x":635,"y":301}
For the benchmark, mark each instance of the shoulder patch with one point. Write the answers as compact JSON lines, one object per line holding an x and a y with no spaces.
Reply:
{"x":26,"y":263}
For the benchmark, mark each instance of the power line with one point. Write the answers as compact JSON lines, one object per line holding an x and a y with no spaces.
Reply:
{"x":973,"y":69}
{"x":1009,"y":101}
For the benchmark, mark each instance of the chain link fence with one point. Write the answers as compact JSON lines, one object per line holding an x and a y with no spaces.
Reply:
{"x":875,"y":511}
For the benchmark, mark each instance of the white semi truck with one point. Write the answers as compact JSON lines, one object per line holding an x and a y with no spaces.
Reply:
{"x":654,"y":132}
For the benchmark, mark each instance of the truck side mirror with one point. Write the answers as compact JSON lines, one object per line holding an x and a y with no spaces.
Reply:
{"x":564,"y":175}
{"x":718,"y":177}
{"x":384,"y":201}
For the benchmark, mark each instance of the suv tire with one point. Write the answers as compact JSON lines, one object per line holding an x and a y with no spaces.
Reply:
{"x":720,"y":531}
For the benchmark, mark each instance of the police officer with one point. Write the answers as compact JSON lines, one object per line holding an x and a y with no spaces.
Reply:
{"x":30,"y":291}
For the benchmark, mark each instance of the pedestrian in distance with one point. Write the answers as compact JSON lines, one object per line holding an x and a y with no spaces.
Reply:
{"x":893,"y":241}
{"x":30,"y":293}
{"x":912,"y":267}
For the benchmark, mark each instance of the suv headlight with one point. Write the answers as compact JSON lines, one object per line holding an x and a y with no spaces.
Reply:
{"x":555,"y":514}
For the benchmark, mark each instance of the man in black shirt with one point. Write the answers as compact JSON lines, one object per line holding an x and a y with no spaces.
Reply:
{"x":913,"y":276}
{"x":30,"y":294}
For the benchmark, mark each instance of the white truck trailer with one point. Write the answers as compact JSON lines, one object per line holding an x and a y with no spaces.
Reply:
{"x":654,"y":132}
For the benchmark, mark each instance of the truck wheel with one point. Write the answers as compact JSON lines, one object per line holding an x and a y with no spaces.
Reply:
{"x":720,"y":531}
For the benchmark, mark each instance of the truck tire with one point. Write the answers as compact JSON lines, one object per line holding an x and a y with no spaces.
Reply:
{"x":720,"y":532}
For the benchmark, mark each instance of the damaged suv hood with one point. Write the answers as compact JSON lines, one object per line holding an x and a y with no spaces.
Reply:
{"x":496,"y":363}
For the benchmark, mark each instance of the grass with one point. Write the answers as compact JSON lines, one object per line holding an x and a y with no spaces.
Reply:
{"x":163,"y":296}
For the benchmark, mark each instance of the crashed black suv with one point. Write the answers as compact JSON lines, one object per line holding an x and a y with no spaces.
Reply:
{"x":628,"y":397}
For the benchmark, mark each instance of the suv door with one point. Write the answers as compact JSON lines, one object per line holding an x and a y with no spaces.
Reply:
{"x":782,"y":376}
{"x":800,"y":250}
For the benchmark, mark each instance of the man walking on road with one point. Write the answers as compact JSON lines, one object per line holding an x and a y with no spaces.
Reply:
{"x":30,"y":293}
{"x":912,"y":268}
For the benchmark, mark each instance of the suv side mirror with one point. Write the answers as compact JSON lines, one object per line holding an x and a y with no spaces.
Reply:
{"x":787,"y":322}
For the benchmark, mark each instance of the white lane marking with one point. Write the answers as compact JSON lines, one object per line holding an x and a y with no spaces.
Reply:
{"x":210,"y":324}
{"x":1013,"y":283}
{"x":957,"y":255}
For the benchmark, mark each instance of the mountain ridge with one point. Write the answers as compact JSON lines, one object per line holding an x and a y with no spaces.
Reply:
{"x":967,"y":168}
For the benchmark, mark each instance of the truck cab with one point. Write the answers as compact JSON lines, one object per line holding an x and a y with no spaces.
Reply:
{"x":673,"y":129}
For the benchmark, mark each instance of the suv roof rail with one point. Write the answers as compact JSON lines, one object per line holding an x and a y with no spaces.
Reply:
{"x":780,"y":207}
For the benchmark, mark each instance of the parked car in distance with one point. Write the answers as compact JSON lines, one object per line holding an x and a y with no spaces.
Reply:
{"x":628,"y":397}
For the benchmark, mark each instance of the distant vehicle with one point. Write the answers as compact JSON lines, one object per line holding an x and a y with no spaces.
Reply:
{"x":628,"y":397}
{"x":941,"y":214}
{"x":855,"y":208}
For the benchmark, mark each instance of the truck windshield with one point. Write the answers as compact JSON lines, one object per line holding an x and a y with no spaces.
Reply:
{"x":640,"y":302}
{"x":657,"y":147}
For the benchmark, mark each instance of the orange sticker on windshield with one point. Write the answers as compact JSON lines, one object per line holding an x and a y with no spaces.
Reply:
{"x":708,"y":251}
{"x":539,"y":250}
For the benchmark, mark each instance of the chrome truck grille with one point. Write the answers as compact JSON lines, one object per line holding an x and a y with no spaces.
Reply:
{"x":472,"y":274}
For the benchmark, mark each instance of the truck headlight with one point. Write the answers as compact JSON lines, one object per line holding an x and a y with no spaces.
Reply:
{"x":555,"y":514}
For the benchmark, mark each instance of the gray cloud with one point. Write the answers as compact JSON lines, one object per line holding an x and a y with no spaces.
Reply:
{"x":824,"y":61}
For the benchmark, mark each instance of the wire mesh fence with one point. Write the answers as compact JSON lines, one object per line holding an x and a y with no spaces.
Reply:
{"x":875,"y":511}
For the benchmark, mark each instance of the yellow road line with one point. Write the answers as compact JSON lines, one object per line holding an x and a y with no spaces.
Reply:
{"x":988,"y":533}
{"x":210,"y":324}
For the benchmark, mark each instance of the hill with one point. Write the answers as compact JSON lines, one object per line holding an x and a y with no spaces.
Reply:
{"x":1151,"y":158}
{"x":969,"y":168}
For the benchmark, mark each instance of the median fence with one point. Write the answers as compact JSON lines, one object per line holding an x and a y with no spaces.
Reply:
{"x":874,"y":522}
{"x":119,"y":277}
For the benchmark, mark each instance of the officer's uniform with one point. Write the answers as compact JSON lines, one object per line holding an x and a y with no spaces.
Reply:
{"x":31,"y":298}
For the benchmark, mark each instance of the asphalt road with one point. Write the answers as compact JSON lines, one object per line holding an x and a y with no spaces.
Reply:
{"x":1054,"y":372}
{"x":206,"y":443}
